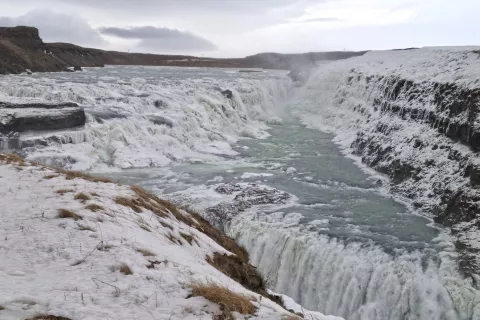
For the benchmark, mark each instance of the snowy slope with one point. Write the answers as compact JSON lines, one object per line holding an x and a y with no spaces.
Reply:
{"x":76,"y":266}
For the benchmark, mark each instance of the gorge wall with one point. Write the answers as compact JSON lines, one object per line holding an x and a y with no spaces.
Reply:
{"x":413,"y":116}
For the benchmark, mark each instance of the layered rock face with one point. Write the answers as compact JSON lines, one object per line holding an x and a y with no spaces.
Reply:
{"x":414,"y":116}
{"x":35,"y":117}
{"x":16,"y":119}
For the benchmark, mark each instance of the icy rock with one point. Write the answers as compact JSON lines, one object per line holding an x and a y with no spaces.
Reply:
{"x":227,"y":94}
{"x":249,"y":195}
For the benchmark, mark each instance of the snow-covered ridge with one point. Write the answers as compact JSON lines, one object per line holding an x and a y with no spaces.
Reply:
{"x":85,"y":248}
{"x":151,"y":117}
{"x":412,"y":115}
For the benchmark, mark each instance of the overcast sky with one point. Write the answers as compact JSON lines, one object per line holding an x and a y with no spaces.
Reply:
{"x":236,"y":28}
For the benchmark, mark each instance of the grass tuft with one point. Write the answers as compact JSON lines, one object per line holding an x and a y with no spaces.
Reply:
{"x":50,"y":176}
{"x":129,"y":203}
{"x":94,"y":207}
{"x":48,"y":317}
{"x":244,"y":273}
{"x":70,"y":175}
{"x":174,"y":240}
{"x":166,"y":225}
{"x":67,"y":214}
{"x":63,"y":191}
{"x":229,"y":300}
{"x":125,"y":269}
{"x":187,"y":237}
{"x":82,"y":196}
{"x":146,"y":253}
{"x":12,"y":158}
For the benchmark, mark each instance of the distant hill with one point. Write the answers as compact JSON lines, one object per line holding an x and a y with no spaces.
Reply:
{"x":22,"y":48}
{"x":272,"y":60}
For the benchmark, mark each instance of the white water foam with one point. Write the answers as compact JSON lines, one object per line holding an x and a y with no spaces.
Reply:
{"x":152,"y":121}
{"x":353,"y":280}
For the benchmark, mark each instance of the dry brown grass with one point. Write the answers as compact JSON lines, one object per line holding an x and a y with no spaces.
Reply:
{"x":125,"y":269}
{"x":166,"y":225}
{"x":67,"y":214}
{"x":48,"y":317}
{"x":70,"y":175}
{"x":82,"y":196}
{"x":146,"y":253}
{"x":173,"y":239}
{"x":12,"y":158}
{"x":131,"y":203}
{"x":161,"y":206}
{"x":63,"y":191}
{"x":244,"y":273}
{"x":50,"y":176}
{"x":94,"y":207}
{"x":187,"y":237}
{"x":229,"y":300}
{"x":218,"y":236}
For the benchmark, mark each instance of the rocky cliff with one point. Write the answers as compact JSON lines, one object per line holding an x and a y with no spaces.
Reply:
{"x":414,"y":116}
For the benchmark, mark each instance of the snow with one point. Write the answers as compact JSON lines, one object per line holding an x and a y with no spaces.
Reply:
{"x":70,"y":268}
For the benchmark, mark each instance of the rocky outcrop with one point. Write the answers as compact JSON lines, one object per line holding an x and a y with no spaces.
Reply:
{"x":247,"y":195}
{"x":36,"y":116}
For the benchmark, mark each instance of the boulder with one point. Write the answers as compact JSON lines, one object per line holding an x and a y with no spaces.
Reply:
{"x":77,"y":68}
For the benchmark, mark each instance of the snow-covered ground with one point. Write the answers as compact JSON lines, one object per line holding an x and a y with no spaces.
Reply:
{"x":72,"y":266}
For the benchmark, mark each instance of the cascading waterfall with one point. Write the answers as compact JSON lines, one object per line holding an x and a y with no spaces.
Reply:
{"x":151,"y":117}
{"x":353,"y":280}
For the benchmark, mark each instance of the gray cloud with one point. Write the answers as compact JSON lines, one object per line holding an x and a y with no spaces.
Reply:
{"x":57,"y":27}
{"x":161,"y":39}
{"x":320,"y":20}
